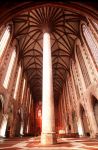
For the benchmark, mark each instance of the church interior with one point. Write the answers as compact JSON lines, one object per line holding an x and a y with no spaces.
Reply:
{"x":48,"y":75}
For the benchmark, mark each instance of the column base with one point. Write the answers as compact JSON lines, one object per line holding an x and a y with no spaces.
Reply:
{"x":94,"y":135}
{"x":48,"y":138}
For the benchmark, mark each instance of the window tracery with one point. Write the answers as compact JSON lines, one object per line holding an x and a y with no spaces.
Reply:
{"x":89,"y":37}
{"x":9,"y":70}
{"x":4,"y":40}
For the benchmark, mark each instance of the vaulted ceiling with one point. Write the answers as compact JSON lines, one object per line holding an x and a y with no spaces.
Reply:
{"x":28,"y":30}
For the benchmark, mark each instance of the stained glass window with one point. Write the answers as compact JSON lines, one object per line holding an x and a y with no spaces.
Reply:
{"x":9,"y":70}
{"x":91,"y":43}
{"x":24,"y":82}
{"x":17,"y":82}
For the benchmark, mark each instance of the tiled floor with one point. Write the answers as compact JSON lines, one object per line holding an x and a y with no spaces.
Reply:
{"x":27,"y":143}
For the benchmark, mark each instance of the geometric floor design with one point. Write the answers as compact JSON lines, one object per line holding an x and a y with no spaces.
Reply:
{"x":29,"y":143}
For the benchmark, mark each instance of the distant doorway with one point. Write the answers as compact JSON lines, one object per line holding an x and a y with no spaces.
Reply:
{"x":95,"y":108}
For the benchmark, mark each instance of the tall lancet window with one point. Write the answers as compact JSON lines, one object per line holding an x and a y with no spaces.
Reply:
{"x":96,"y":25}
{"x":23,"y":89}
{"x":90,"y":39}
{"x":4,"y":40}
{"x":9,"y":70}
{"x":17,"y":82}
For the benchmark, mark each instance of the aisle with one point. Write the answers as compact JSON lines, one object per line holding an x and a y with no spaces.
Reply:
{"x":27,"y":143}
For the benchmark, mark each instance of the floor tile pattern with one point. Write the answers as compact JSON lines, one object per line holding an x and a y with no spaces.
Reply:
{"x":26,"y":143}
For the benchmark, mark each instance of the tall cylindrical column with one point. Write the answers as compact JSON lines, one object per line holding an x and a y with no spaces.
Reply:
{"x":48,"y":135}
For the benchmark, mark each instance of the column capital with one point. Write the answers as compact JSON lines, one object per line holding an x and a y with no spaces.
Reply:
{"x":46,"y":28}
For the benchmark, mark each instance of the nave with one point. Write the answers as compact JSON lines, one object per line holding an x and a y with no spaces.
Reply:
{"x":48,"y":75}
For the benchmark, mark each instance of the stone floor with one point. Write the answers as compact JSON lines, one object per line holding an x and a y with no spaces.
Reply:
{"x":27,"y":143}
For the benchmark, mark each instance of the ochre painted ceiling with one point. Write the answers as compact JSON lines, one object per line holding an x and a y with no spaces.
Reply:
{"x":63,"y":25}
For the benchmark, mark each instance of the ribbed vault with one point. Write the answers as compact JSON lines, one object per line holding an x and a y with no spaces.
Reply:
{"x":28,"y":30}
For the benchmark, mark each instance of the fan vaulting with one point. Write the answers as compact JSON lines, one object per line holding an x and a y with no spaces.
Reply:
{"x":28,"y":30}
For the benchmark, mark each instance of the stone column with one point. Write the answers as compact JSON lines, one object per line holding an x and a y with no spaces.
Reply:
{"x":48,"y":135}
